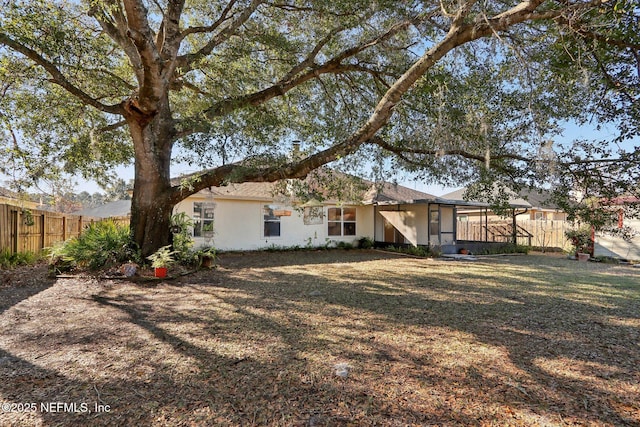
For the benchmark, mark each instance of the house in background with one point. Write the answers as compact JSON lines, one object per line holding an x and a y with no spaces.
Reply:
{"x":116,"y":209}
{"x":624,"y":240}
{"x":533,"y":205}
{"x":533,"y":221}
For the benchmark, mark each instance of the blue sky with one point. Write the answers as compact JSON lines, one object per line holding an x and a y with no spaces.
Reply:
{"x":572,"y":132}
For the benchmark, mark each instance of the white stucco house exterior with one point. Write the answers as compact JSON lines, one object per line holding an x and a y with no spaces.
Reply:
{"x":620,"y":245}
{"x":253,"y":216}
{"x":250,"y":216}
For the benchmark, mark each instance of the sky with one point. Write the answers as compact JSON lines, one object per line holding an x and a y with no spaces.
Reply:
{"x":571,"y":133}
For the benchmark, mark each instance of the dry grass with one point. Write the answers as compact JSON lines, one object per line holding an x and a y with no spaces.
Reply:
{"x":532,"y":340}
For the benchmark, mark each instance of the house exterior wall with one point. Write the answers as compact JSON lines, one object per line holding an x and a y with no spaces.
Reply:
{"x":413,"y":217}
{"x":239,"y":225}
{"x":616,"y":247}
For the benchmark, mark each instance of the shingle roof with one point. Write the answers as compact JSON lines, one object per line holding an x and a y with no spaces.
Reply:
{"x":111,"y":209}
{"x":371,"y":192}
{"x":524,"y":198}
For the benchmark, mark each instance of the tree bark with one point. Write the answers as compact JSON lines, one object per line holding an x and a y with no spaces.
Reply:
{"x":151,"y":203}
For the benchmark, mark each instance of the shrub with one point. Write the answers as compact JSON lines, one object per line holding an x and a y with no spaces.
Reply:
{"x":181,"y":225}
{"x":580,"y":239}
{"x":507,"y":248}
{"x":419,"y":251}
{"x":10,"y":260}
{"x":365,"y":243}
{"x":344,"y":245}
{"x":101,"y":244}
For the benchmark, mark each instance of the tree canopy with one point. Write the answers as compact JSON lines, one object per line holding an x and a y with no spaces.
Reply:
{"x":455,"y":92}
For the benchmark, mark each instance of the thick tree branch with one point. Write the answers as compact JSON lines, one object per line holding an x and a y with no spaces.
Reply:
{"x":115,"y":25}
{"x":140,"y":32}
{"x":283,"y":86}
{"x":185,"y":62}
{"x":380,"y":116}
{"x":57,"y":76}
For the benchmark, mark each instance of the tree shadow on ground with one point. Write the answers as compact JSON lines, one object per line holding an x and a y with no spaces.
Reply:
{"x":31,"y":281}
{"x":258,"y":345}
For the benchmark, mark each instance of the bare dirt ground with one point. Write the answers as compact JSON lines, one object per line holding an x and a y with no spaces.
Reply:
{"x":333,"y":338}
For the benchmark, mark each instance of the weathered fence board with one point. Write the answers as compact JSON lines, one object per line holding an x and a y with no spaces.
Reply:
{"x":538,"y":233}
{"x":32,"y":230}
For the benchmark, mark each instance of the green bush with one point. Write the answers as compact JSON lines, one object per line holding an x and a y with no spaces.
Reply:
{"x":9,"y":260}
{"x":101,"y":244}
{"x":365,"y":243}
{"x":507,"y":248}
{"x":181,"y":225}
{"x":419,"y":251}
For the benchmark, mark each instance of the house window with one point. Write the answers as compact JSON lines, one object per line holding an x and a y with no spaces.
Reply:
{"x":341,"y":221}
{"x":271,"y":222}
{"x":540,"y":216}
{"x":203,"y":219}
{"x":434,"y":223}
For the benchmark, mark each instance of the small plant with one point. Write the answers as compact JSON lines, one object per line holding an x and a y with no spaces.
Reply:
{"x":206,"y":257}
{"x":344,"y":245}
{"x":10,"y":260}
{"x":580,"y":239}
{"x":162,"y":258}
{"x":28,"y":217}
{"x":181,"y":225}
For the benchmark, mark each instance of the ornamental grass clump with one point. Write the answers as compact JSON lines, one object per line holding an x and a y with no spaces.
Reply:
{"x":101,"y":244}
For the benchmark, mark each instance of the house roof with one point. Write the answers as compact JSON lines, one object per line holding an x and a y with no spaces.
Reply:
{"x":388,"y":192}
{"x":531,"y":199}
{"x":365,"y":191}
{"x":111,"y":209}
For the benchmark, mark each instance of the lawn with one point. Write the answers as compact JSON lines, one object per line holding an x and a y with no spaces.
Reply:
{"x":333,"y":338}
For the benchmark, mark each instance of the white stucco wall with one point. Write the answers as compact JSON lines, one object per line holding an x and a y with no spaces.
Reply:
{"x":239,"y":225}
{"x":616,"y":247}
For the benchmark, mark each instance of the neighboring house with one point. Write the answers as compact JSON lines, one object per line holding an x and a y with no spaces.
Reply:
{"x":623,"y":240}
{"x":533,"y":205}
{"x":119,"y":208}
{"x":12,"y":198}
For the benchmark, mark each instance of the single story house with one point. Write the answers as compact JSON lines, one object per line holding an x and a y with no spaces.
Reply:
{"x":251,"y":216}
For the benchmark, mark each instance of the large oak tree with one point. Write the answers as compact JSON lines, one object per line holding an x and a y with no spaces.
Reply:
{"x":453,"y":91}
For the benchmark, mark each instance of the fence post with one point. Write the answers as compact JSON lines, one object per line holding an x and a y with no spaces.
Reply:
{"x":14,"y":230}
{"x":43,"y":232}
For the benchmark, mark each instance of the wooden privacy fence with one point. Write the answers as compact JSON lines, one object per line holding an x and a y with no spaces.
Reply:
{"x":537,"y":233}
{"x":31,"y":230}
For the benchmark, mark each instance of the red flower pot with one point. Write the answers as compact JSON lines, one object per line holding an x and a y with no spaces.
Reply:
{"x":161,"y":271}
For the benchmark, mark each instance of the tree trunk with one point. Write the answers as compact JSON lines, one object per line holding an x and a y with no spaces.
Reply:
{"x":151,"y":204}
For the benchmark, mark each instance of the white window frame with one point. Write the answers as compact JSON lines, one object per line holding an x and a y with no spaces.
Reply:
{"x":268,"y":217}
{"x":203,"y":216}
{"x":339,"y":220}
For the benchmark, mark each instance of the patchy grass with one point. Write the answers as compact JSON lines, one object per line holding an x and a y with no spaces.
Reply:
{"x":332,"y":338}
